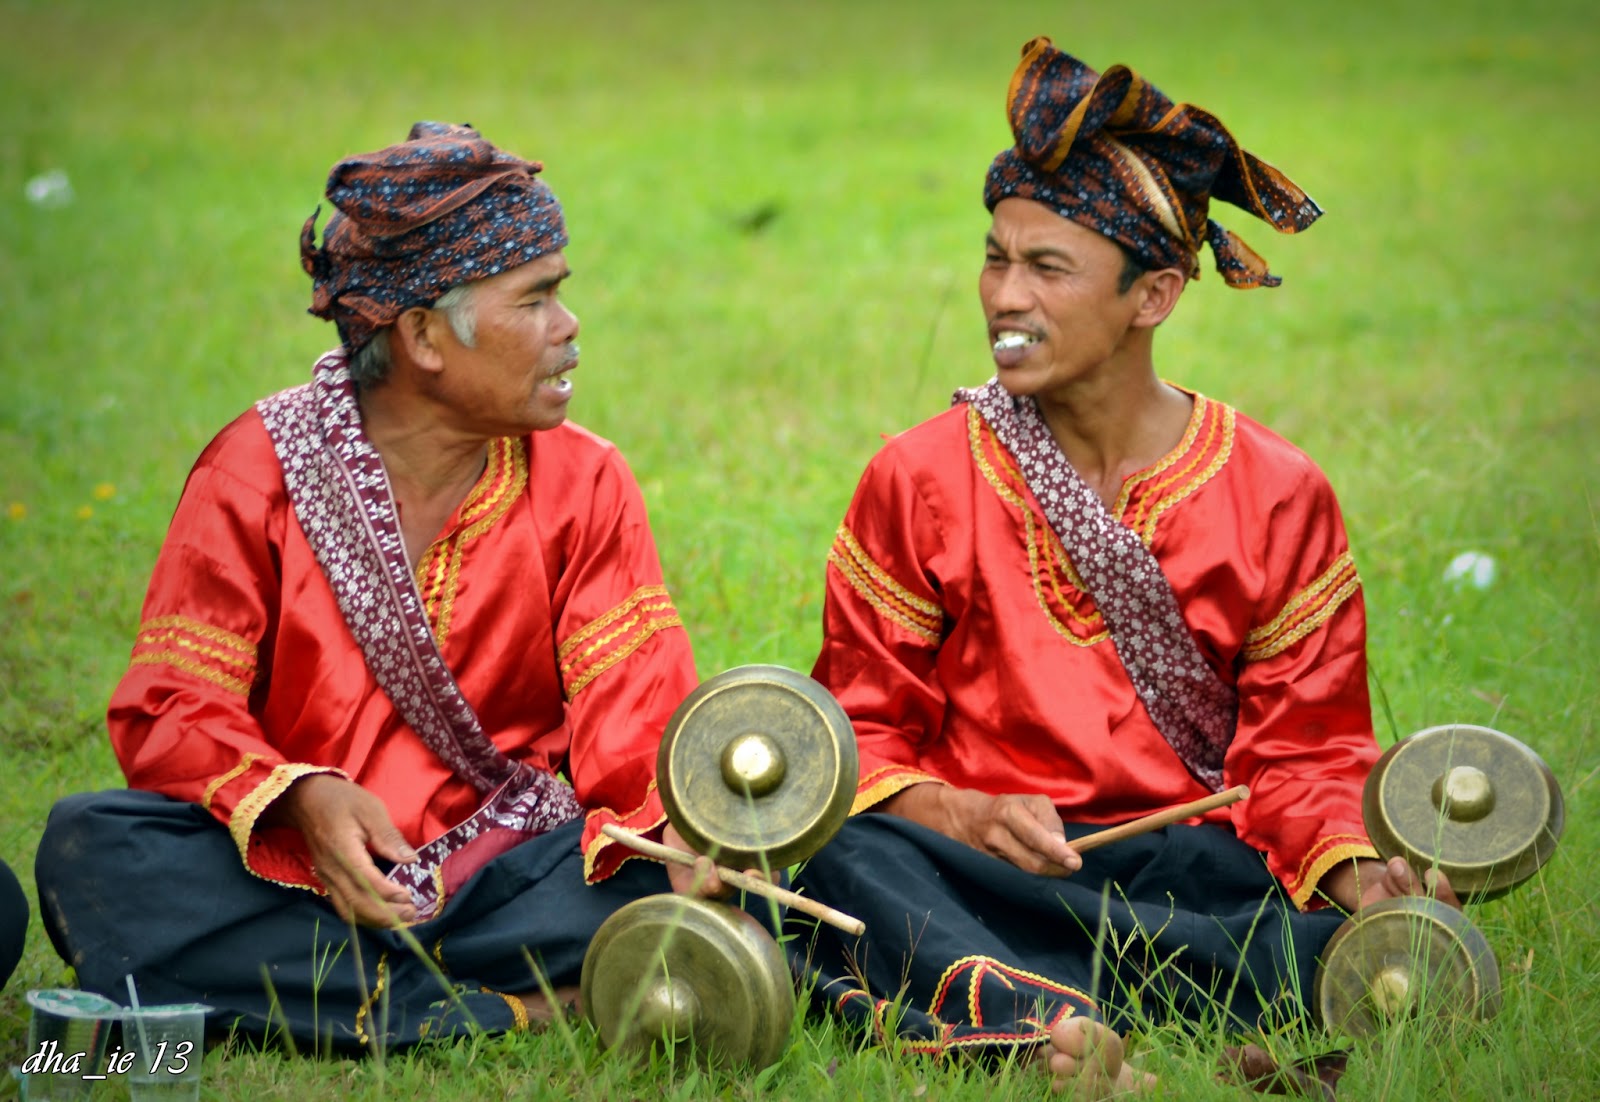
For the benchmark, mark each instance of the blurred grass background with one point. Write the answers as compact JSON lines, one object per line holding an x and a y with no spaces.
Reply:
{"x":776,"y":221}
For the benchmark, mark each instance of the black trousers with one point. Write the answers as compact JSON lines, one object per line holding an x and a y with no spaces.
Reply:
{"x":132,"y":883}
{"x":963,"y":949}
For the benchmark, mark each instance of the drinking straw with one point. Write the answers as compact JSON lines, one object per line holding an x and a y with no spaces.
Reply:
{"x":138,"y":1018}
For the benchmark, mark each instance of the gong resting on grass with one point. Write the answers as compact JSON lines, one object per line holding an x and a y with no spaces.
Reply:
{"x":758,"y":766}
{"x":1482,"y":805}
{"x":1405,"y":957}
{"x":683,"y":973}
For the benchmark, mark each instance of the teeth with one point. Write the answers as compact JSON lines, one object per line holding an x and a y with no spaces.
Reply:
{"x":1007,"y":341}
{"x":561,"y":383}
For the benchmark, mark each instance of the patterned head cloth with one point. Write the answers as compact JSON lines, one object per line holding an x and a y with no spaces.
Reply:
{"x":1114,"y":154}
{"x":415,"y":219}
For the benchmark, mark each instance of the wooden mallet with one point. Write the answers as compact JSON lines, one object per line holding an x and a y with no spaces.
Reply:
{"x":741,"y":880}
{"x":1160,"y":819}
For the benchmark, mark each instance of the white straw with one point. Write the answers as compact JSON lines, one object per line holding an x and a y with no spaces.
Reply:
{"x":138,"y":1018}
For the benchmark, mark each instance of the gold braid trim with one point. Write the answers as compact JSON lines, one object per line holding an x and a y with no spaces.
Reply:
{"x":591,"y":856}
{"x":1306,"y":611}
{"x":1225,"y":423}
{"x":245,"y":813}
{"x":649,"y":610}
{"x":237,"y":771}
{"x":600,"y":623}
{"x":365,"y":1009}
{"x":1191,"y":432}
{"x":977,"y":431}
{"x":892,"y":779}
{"x":246,"y":649}
{"x":876,"y":588}
{"x":190,"y":666}
{"x":519,"y":1012}
{"x":504,"y":478}
{"x":1340,"y":848}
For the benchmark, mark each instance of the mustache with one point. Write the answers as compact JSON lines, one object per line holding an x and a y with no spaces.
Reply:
{"x":569,"y":356}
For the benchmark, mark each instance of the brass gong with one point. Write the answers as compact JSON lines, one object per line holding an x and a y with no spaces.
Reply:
{"x":688,"y":975}
{"x":758,"y":760}
{"x":1486,"y":806}
{"x":1402,"y":957}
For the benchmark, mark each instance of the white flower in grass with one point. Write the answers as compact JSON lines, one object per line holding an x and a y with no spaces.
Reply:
{"x":49,"y":189}
{"x":1474,"y":568}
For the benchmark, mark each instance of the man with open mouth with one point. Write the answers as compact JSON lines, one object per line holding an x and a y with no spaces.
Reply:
{"x":1082,"y":595}
{"x":405,"y":652}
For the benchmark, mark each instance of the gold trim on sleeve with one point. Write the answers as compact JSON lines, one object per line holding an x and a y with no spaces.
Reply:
{"x":591,"y":856}
{"x":198,"y":649}
{"x":646,"y":611}
{"x":921,"y":617}
{"x":215,"y":786}
{"x":245,"y":813}
{"x":1306,"y":611}
{"x":889,"y":780}
{"x":605,"y":620}
{"x":1316,"y":865}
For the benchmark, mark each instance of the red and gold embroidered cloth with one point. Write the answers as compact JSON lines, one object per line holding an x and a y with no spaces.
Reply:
{"x":960,"y":640}
{"x":545,"y":596}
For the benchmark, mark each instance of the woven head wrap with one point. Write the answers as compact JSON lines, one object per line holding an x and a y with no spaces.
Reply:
{"x":415,"y":219}
{"x":1112,"y":153}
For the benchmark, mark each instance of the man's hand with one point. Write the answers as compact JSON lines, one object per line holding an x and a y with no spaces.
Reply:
{"x":1022,"y":829}
{"x":700,"y":880}
{"x":343,"y":824}
{"x":1358,"y":884}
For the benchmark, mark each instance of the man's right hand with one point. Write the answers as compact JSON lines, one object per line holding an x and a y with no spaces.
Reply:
{"x":1022,"y":829}
{"x":343,"y":825}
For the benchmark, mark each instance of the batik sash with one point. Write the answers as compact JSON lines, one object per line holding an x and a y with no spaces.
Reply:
{"x":1190,"y":705}
{"x":341,"y":497}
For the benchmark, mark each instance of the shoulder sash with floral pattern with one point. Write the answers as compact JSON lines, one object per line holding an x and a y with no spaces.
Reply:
{"x":1195,"y":711}
{"x":341,"y":497}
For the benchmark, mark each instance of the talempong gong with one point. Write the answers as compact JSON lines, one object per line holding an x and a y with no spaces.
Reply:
{"x":758,"y":762}
{"x":1403,"y":957}
{"x":1486,"y":806}
{"x":684,"y":973}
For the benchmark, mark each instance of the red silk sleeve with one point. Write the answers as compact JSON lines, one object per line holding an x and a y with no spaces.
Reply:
{"x":181,"y":721}
{"x":1304,"y":743}
{"x":882,"y":626}
{"x":626,"y":664}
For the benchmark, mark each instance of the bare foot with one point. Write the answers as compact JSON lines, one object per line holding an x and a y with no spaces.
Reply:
{"x":1085,"y":1057}
{"x":539,"y":1008}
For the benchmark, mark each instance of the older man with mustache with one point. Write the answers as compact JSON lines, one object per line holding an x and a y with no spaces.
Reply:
{"x":405,"y":651}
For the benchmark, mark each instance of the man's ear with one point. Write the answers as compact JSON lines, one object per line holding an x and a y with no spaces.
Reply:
{"x":1161,"y":289}
{"x":418,"y":333}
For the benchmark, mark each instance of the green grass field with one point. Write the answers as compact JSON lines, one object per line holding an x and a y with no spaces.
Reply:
{"x":776,"y":222}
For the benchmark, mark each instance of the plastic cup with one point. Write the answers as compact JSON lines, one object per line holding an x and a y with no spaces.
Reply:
{"x":168,"y":1043}
{"x":67,"y":1033}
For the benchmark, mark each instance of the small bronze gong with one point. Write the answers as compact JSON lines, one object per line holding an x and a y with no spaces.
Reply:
{"x":690,"y":975}
{"x":758,"y":763}
{"x":1403,"y":957}
{"x":1484,"y":804}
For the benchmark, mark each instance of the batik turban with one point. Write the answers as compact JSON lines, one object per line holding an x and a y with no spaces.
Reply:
{"x":416,"y":219}
{"x":1112,"y":153}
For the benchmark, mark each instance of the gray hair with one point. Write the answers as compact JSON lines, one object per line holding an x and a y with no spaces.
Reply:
{"x":370,"y":365}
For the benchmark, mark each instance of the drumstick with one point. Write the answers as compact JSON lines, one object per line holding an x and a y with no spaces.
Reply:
{"x":1160,"y":819}
{"x":749,"y":883}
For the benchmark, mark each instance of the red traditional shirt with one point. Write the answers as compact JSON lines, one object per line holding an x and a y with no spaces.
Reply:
{"x":960,"y":640}
{"x":545,"y":596}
